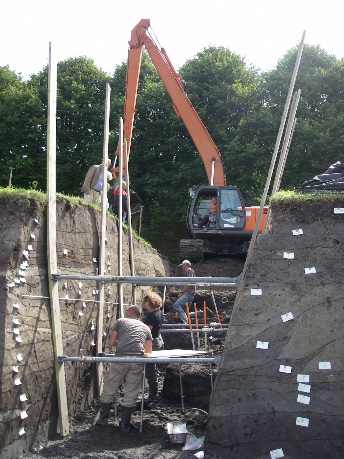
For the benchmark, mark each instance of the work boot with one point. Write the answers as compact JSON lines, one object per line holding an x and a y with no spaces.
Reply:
{"x":183,"y":317}
{"x":125,"y":418}
{"x":104,"y":414}
{"x":153,"y":393}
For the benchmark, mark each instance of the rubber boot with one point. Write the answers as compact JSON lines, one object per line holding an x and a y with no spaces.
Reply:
{"x":183,"y":317}
{"x":125,"y":418}
{"x":104,"y":414}
{"x":153,"y":393}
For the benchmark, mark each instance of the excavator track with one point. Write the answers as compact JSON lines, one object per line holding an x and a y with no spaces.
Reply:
{"x":191,"y":249}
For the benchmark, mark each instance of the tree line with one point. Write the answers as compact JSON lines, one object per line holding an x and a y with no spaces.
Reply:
{"x":240,"y":106}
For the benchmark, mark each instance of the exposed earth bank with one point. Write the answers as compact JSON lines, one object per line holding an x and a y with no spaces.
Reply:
{"x":86,"y":440}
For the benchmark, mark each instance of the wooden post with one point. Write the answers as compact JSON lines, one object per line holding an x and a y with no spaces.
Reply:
{"x":63,"y":424}
{"x":131,"y":246}
{"x":140,"y":222}
{"x":10,"y":179}
{"x":102,"y":239}
{"x":120,"y":219}
{"x":272,"y":166}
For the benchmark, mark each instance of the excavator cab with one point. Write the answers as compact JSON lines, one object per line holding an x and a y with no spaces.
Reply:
{"x":216,"y":208}
{"x":216,"y":219}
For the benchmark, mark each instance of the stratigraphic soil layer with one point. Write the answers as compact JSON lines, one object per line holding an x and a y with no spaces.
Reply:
{"x":280,"y":385}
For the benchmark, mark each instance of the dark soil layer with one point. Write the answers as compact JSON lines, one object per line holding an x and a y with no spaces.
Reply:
{"x":258,"y":402}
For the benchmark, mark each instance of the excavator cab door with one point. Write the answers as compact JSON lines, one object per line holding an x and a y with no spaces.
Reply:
{"x":231,"y":211}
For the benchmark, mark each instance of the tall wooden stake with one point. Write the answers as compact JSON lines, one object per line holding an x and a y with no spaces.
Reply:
{"x":131,"y":245}
{"x":120,"y":219}
{"x":102,"y":239}
{"x":63,"y":424}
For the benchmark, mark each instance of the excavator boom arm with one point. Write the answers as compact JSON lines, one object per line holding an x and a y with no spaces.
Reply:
{"x":207,"y":149}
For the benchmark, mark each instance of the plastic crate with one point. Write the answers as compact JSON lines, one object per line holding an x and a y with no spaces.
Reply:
{"x":178,"y":438}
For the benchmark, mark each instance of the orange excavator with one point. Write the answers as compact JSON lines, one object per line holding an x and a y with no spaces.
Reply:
{"x":227,"y":227}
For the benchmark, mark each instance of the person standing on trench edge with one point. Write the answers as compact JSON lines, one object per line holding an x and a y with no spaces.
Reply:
{"x":152,"y":302}
{"x":132,"y":338}
{"x":93,"y":183}
{"x":186,"y":294}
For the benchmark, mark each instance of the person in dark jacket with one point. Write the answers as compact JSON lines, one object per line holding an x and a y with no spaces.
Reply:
{"x":152,"y":303}
{"x":115,"y":201}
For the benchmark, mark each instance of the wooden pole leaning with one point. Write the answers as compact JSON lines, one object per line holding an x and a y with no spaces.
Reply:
{"x":120,"y":219}
{"x":286,"y":142}
{"x":102,"y":239}
{"x":272,"y":166}
{"x":63,"y":422}
{"x":131,"y":245}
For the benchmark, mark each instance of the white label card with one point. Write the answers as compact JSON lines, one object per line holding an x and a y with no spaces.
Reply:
{"x":304,"y":422}
{"x":256,"y":291}
{"x":287,"y":316}
{"x":276,"y":453}
{"x":261,"y":344}
{"x":303,"y":399}
{"x":324,"y":365}
{"x":304,"y":387}
{"x":310,"y":270}
{"x":303,"y":378}
{"x":285,"y":369}
{"x":339,"y":210}
{"x":297,"y":232}
{"x":288,"y":255}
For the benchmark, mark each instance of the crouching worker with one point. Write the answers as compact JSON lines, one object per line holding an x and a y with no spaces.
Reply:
{"x":132,"y":338}
{"x":152,"y":302}
{"x":186,"y":294}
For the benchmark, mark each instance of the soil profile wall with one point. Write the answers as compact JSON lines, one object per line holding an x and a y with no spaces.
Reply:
{"x":28,"y":408}
{"x":279,"y":391}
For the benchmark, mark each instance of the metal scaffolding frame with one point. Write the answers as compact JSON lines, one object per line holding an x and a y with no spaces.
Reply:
{"x":162,"y":281}
{"x":110,"y":358}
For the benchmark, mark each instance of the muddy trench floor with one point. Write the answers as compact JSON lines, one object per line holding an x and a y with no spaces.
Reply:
{"x":86,"y":440}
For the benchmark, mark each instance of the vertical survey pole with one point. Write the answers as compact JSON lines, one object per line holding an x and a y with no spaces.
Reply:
{"x":63,"y":423}
{"x":102,"y":239}
{"x":120,"y":218}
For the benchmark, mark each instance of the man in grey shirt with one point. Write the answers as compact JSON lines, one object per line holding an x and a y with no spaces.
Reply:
{"x":132,"y":338}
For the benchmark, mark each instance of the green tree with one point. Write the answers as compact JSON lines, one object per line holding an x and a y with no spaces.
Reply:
{"x":22,"y":131}
{"x":318,"y":139}
{"x":80,"y":119}
{"x":227,"y":95}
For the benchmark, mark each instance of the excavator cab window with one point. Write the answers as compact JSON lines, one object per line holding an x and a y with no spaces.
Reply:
{"x":202,"y":208}
{"x":232,"y":213}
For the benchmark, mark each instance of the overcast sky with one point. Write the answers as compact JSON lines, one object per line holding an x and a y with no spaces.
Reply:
{"x":261,"y":31}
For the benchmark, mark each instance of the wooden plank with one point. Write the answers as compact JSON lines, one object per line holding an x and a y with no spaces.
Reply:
{"x":102,"y":239}
{"x":63,"y":424}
